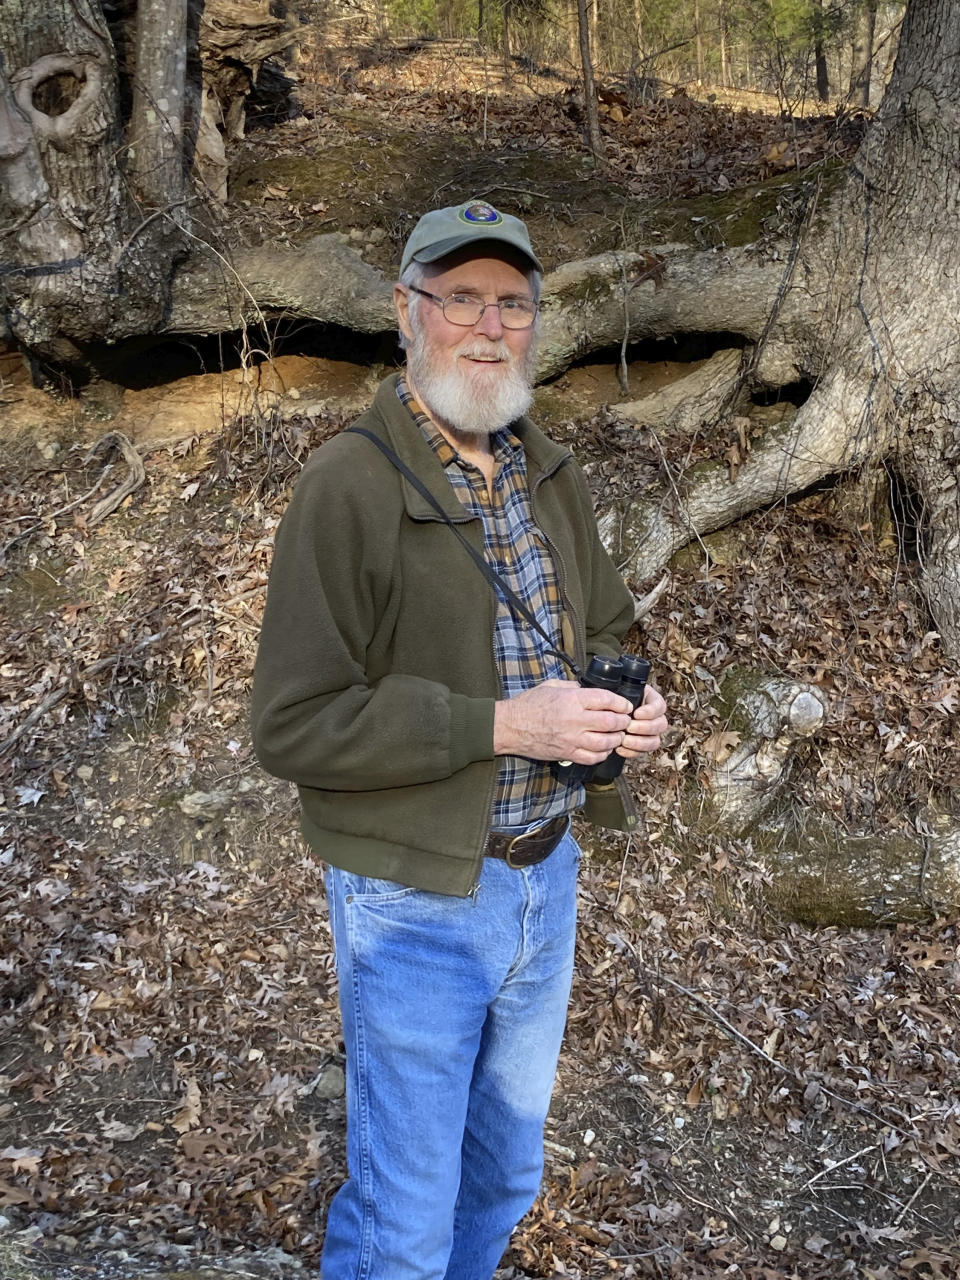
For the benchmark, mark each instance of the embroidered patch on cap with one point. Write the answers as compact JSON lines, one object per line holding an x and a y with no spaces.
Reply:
{"x":477,"y":211}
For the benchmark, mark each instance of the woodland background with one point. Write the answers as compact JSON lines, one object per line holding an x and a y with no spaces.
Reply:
{"x":760,"y":1074}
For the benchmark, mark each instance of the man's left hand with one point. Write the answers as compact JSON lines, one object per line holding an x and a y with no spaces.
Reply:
{"x":646,"y":728}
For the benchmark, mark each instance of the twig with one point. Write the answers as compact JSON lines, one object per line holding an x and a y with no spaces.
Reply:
{"x":58,"y":695}
{"x":522,"y":191}
{"x":713,"y":1013}
{"x":102,"y":664}
{"x":899,"y":1218}
{"x":62,"y":511}
{"x":849,"y":1160}
{"x":157,"y":213}
{"x":716,"y":1210}
{"x":623,"y":374}
{"x":737,"y":1034}
{"x":623,"y":870}
{"x":644,"y":606}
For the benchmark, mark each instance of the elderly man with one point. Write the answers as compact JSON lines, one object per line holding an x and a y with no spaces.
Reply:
{"x":418,"y":705}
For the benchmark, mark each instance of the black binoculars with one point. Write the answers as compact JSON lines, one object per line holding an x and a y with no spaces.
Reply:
{"x":626,"y":675}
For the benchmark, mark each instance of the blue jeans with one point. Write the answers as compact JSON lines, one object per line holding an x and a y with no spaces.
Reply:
{"x":453,"y":1012}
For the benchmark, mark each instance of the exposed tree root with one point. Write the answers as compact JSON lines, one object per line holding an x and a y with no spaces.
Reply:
{"x":585,"y":304}
{"x":792,"y":456}
{"x":691,"y":402}
{"x":135,"y":477}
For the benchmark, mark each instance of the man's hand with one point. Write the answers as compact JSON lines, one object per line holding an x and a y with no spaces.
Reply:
{"x":647,"y":727}
{"x":560,"y":720}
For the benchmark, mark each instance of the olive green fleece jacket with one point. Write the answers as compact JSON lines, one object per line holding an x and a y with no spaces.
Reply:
{"x":375,"y":681}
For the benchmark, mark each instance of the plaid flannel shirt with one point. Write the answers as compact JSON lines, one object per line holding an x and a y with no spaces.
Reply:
{"x":514,"y":547}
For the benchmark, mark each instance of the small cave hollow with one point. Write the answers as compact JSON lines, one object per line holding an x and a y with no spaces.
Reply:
{"x":140,"y":363}
{"x":649,"y":354}
{"x":794,"y":393}
{"x":652,"y":364}
{"x":908,"y":514}
{"x":679,"y":348}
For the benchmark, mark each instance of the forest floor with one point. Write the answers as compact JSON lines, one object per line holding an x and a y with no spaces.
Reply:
{"x":738,"y":1095}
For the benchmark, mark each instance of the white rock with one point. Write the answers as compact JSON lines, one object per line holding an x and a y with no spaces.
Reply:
{"x":205,"y":804}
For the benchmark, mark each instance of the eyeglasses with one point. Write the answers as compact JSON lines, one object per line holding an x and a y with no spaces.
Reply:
{"x":466,"y":310}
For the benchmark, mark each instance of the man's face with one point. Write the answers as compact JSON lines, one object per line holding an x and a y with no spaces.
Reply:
{"x":475,"y":379}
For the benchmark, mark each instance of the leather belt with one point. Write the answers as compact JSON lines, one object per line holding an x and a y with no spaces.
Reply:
{"x":529,"y":847}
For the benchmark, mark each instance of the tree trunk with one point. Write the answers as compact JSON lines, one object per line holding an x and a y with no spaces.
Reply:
{"x":724,"y":63}
{"x":82,"y":264}
{"x":591,"y":116}
{"x":870,"y":319}
{"x":862,"y":54}
{"x":507,"y":12}
{"x":573,"y":32}
{"x":698,"y":39}
{"x":638,"y":32}
{"x":819,"y":54}
{"x":156,"y":133}
{"x":60,"y":135}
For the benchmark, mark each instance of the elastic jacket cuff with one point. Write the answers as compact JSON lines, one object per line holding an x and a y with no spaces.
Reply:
{"x":471,"y":730}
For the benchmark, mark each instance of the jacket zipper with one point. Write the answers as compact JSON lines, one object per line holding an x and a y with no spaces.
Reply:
{"x":478,"y":865}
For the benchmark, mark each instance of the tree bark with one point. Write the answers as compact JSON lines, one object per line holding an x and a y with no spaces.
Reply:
{"x":58,"y":175}
{"x":591,"y":116}
{"x":82,"y":264}
{"x":691,"y":403}
{"x":638,"y":45}
{"x":582,"y":310}
{"x":862,"y":54}
{"x":156,"y":134}
{"x":819,"y":54}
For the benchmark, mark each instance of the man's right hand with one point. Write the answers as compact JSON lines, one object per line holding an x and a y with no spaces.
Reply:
{"x":560,"y":720}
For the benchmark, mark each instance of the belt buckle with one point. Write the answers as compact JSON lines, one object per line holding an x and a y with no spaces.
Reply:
{"x":524,"y":835}
{"x":508,"y":852}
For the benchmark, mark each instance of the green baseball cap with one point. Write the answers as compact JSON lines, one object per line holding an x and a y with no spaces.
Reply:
{"x":443,"y":231}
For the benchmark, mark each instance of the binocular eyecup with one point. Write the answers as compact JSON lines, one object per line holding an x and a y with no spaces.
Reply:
{"x":626,"y":675}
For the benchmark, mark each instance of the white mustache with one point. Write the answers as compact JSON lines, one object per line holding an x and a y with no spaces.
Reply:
{"x":487,"y":351}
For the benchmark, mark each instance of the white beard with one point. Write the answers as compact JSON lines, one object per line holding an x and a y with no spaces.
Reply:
{"x":470,"y":400}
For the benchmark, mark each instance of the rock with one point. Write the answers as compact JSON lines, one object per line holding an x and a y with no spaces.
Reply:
{"x":205,"y":804}
{"x":331,"y":1083}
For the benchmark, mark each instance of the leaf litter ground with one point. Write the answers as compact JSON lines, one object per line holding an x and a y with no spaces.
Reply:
{"x":737,"y":1095}
{"x":734,"y":1092}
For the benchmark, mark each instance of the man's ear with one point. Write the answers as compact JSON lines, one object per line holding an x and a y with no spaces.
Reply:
{"x":401,"y":304}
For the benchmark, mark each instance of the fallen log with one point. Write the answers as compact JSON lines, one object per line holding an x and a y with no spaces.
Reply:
{"x":585,"y":304}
